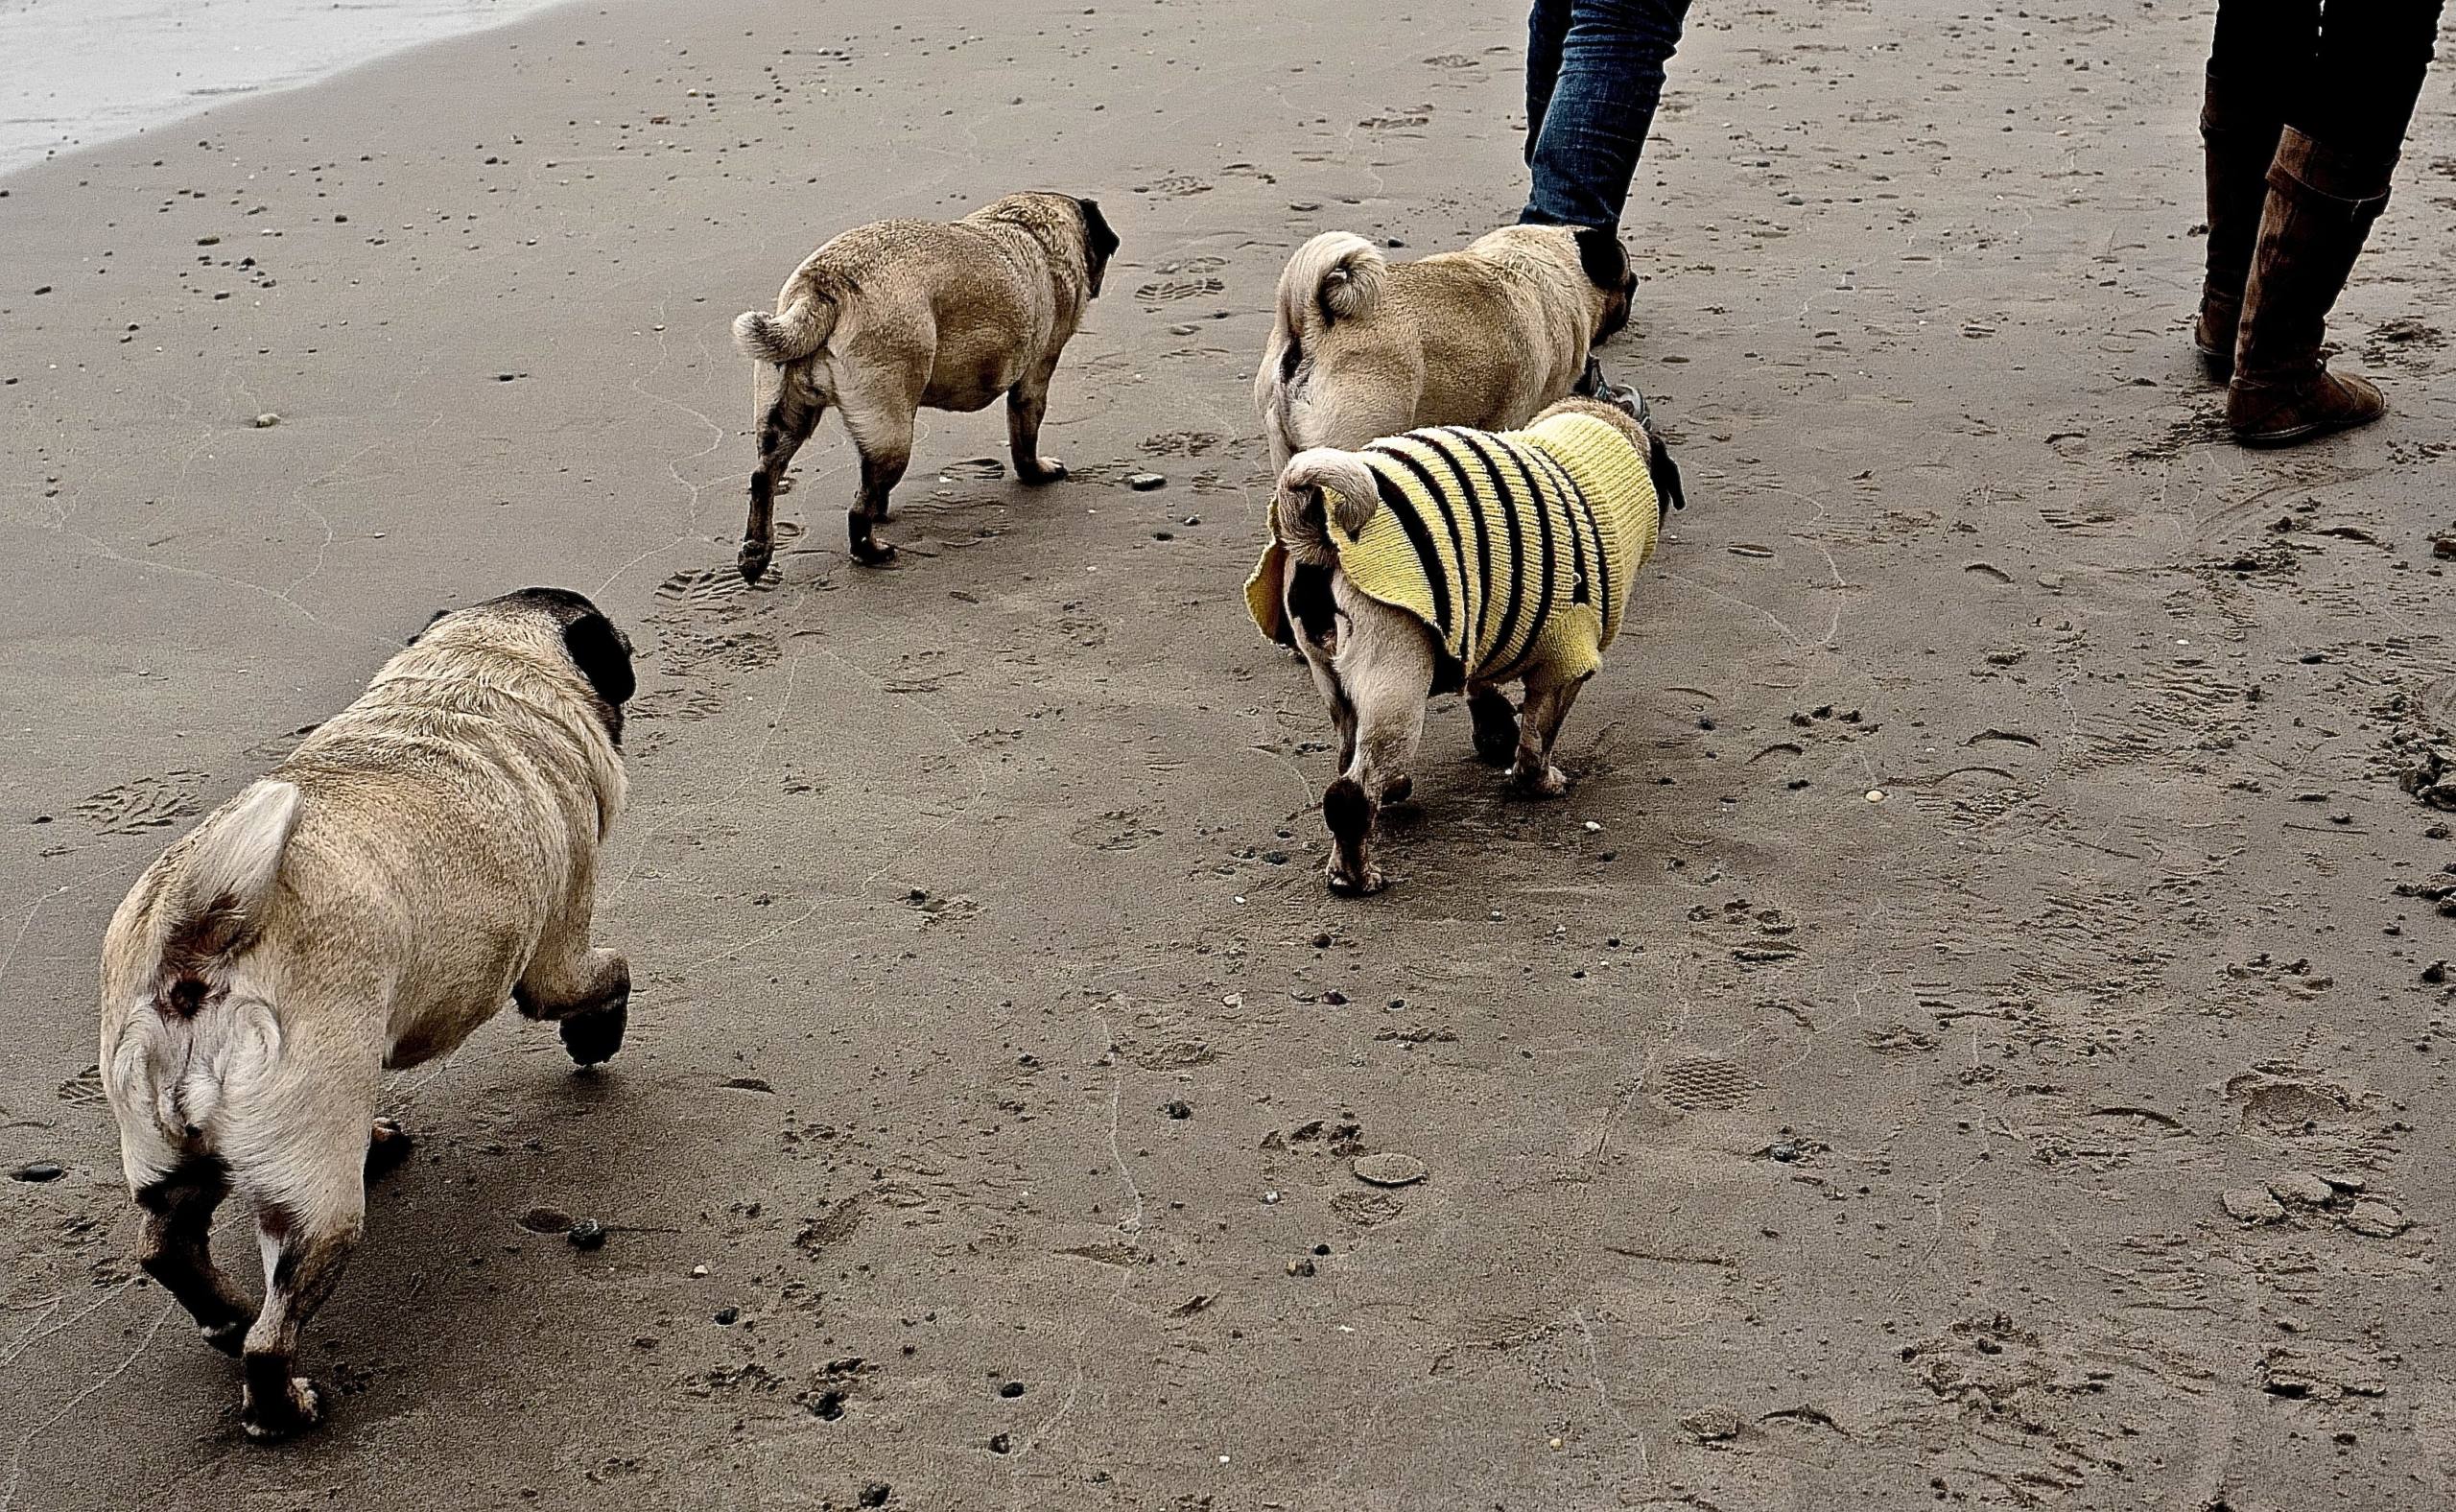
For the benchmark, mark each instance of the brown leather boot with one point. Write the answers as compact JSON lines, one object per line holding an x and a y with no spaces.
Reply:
{"x":2320,"y":205}
{"x":2238,"y":132}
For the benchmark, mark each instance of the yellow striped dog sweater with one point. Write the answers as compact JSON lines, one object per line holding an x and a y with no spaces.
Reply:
{"x":1516,"y":549}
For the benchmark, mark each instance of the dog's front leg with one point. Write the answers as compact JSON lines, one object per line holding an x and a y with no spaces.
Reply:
{"x":1026,"y":405}
{"x":1496,"y":724}
{"x":586,"y":992}
{"x":1538,"y":725}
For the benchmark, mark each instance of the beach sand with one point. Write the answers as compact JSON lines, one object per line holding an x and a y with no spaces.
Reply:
{"x":2001,"y":852}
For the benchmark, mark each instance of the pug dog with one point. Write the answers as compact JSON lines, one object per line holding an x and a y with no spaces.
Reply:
{"x":1451,"y":558}
{"x":900,"y":316}
{"x":1485,"y":337}
{"x":427,"y":853}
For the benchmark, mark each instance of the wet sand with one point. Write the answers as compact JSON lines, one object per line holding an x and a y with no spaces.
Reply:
{"x":1788,"y":1146}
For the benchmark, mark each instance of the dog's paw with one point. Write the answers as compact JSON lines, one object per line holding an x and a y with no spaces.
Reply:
{"x":387,"y":1145}
{"x":753,"y":561}
{"x":1540,"y":782}
{"x":1360,"y":883}
{"x":1042,"y":469}
{"x":595,"y":1036}
{"x":873,"y":553}
{"x":295,"y":1408}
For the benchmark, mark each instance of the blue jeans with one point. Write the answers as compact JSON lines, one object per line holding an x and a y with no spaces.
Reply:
{"x":1594,"y":74}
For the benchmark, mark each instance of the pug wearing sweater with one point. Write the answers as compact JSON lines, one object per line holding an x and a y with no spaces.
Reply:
{"x":1449,"y":558}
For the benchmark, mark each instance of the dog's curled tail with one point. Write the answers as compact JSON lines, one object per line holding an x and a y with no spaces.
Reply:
{"x":1336,"y":276}
{"x":801,"y":328}
{"x":1316,"y":487}
{"x":217,"y":904}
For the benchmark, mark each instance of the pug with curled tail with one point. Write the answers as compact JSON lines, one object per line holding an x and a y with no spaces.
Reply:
{"x":1451,"y":557}
{"x":1360,"y":348}
{"x":901,"y":316}
{"x":425,"y":854}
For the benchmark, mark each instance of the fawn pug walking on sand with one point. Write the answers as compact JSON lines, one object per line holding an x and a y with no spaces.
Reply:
{"x":425,"y":854}
{"x":1360,"y":348}
{"x":900,"y":316}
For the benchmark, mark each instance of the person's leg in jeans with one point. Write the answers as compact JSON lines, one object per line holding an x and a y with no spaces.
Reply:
{"x":2345,"y":128}
{"x":1593,"y":76}
{"x":2259,"y":57}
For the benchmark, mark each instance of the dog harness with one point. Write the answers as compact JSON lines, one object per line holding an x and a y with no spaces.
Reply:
{"x":1516,"y":549}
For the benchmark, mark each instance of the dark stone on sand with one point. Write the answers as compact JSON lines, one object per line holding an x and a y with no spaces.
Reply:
{"x":1179,"y":1109}
{"x":1011,"y":1389}
{"x":727,"y":1318}
{"x":1334,"y":998}
{"x":1785,"y":1153}
{"x":1145,"y":482}
{"x":875,"y":1494}
{"x":39,"y":1170}
{"x":586,"y":1234}
{"x":1000,"y":1444}
{"x":2435,"y":973}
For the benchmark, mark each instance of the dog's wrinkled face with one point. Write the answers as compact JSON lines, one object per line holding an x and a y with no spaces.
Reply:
{"x":597,"y":646}
{"x":1099,"y":242}
{"x":1607,"y":267}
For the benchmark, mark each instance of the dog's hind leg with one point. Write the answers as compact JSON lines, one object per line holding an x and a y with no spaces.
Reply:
{"x":175,"y":1246}
{"x":310,"y":1211}
{"x":787,"y":424}
{"x":1026,"y":405}
{"x":587,"y":993}
{"x":1496,"y":724}
{"x":884,"y":440}
{"x":1538,"y":725}
{"x":1385,"y":668}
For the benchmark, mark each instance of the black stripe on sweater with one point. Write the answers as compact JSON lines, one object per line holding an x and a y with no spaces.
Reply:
{"x":1437,"y":438}
{"x":1541,"y":566}
{"x":1582,"y":508}
{"x":1453,"y":632}
{"x":1395,"y":500}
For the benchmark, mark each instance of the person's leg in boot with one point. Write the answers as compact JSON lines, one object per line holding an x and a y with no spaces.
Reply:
{"x":2256,"y":55}
{"x":2327,"y":187}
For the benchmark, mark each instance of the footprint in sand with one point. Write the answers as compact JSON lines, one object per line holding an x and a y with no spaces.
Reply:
{"x":1705,"y":1082}
{"x":702,"y":588}
{"x":145,"y":803}
{"x":1191,"y":265}
{"x":1181,"y":443}
{"x":1398,"y":120}
{"x":1178,"y":186}
{"x":1171,"y":291}
{"x":973,"y":470}
{"x":682,"y":705}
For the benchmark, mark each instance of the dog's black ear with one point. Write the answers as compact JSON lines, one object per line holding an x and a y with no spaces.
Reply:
{"x":1099,"y":242}
{"x":1666,"y":475}
{"x":1601,"y":255}
{"x":419,"y":633}
{"x":602,"y":656}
